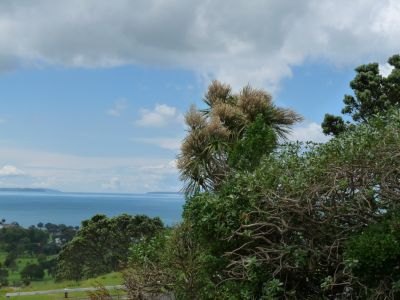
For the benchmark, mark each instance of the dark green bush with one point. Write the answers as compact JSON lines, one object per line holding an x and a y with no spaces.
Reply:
{"x":374,"y":254}
{"x":3,"y":277}
{"x":32,"y":272}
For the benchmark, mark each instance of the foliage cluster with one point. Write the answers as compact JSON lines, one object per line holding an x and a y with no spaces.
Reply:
{"x":32,"y":272}
{"x":170,"y":262}
{"x":43,"y":239}
{"x":17,"y":239}
{"x":374,"y":255}
{"x":102,"y":245}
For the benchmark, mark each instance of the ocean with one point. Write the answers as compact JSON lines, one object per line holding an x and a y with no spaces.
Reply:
{"x":30,"y":208}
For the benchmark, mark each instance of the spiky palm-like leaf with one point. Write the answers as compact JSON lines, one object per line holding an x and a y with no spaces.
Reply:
{"x":215,"y":130}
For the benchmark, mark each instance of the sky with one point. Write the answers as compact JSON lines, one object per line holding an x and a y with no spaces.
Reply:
{"x":93,"y":93}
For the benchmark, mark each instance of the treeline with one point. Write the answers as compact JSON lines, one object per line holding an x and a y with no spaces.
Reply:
{"x":265,"y":219}
{"x":46,"y":239}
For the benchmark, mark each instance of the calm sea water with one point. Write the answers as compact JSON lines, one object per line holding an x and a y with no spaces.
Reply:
{"x":30,"y":208}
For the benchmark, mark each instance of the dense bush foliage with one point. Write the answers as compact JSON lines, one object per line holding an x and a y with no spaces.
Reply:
{"x":171,"y":262}
{"x":374,"y":256}
{"x":289,"y":221}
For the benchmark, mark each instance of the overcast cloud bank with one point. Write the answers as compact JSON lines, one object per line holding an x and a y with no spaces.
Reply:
{"x":246,"y":42}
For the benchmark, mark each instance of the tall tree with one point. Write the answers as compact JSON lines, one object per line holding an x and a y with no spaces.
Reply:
{"x":229,"y":124}
{"x":102,"y":244}
{"x":373,"y":93}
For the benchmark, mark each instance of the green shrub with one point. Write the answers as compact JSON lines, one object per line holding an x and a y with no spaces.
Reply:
{"x":3,"y":277}
{"x":170,"y":262}
{"x":32,"y":272}
{"x":374,"y":254}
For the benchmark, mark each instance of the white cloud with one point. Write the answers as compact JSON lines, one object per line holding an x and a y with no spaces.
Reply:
{"x":170,"y":144}
{"x":385,"y":69}
{"x":113,"y":184}
{"x":165,"y":143}
{"x":257,"y":42}
{"x":118,"y":108}
{"x":161,"y":115}
{"x":9,"y":170}
{"x":308,"y":132}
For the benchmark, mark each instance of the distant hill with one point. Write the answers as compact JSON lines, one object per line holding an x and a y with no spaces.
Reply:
{"x":31,"y":190}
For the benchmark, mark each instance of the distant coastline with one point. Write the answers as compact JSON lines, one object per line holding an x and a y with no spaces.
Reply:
{"x":30,"y":190}
{"x":44,"y":190}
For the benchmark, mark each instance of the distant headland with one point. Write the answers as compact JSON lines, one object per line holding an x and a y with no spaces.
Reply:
{"x":30,"y":190}
{"x":44,"y":190}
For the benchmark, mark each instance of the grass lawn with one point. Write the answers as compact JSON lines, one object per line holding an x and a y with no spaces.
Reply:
{"x":48,"y":283}
{"x":108,"y":279}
